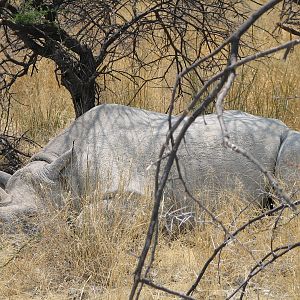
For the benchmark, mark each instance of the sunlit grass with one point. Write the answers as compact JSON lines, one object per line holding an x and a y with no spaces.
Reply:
{"x":97,"y":257}
{"x":98,"y":260}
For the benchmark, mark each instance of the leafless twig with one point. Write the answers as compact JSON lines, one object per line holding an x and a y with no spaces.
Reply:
{"x":268,"y":259}
{"x":234,"y":234}
{"x":218,"y":93}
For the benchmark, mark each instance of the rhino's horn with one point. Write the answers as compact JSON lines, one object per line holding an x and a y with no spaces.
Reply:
{"x":4,"y":177}
{"x":53,"y":170}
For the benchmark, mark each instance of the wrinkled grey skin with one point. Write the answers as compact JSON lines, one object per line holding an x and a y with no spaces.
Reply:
{"x":113,"y":146}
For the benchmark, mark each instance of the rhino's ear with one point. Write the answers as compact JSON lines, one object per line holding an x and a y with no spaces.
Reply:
{"x":4,"y":198}
{"x":54,"y":169}
{"x":4,"y":177}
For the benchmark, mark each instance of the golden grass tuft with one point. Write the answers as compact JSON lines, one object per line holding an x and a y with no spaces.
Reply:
{"x":41,"y":107}
{"x":269,"y":88}
{"x":96,"y":258}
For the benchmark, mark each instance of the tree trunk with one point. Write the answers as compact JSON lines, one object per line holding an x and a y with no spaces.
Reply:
{"x":83,"y":96}
{"x":80,"y":81}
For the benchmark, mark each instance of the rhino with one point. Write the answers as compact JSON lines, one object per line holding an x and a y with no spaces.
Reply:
{"x":114,"y":146}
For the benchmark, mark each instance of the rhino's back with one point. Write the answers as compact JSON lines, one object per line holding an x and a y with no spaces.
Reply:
{"x":210,"y":166}
{"x":103,"y":125}
{"x":113,"y":142}
{"x":136,"y":127}
{"x":110,"y":141}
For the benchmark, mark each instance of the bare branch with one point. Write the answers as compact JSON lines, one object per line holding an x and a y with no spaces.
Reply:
{"x":234,"y":234}
{"x":219,"y":92}
{"x":289,"y":29}
{"x":164,"y":289}
{"x":268,"y":259}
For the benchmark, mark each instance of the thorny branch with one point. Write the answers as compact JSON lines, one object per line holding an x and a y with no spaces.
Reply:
{"x":234,"y":234}
{"x":218,"y":93}
{"x":12,"y":158}
{"x":87,"y":40}
{"x":164,"y":289}
{"x":265,"y":261}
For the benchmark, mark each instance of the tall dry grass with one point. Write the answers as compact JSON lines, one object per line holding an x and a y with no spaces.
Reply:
{"x":269,"y":88}
{"x":41,"y":107}
{"x":97,"y":260}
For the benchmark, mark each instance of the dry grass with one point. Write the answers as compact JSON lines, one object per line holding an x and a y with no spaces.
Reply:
{"x":42,"y":107}
{"x":271,"y":89}
{"x":96,"y":260}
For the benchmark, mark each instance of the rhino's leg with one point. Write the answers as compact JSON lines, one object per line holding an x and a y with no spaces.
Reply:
{"x":288,"y":163}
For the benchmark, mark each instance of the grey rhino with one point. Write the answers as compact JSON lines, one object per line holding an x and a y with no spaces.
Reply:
{"x":113,"y":146}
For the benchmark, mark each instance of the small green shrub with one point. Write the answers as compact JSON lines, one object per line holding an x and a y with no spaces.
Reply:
{"x":30,"y":15}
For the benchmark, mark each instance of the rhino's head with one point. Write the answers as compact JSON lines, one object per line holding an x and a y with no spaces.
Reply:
{"x":27,"y":191}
